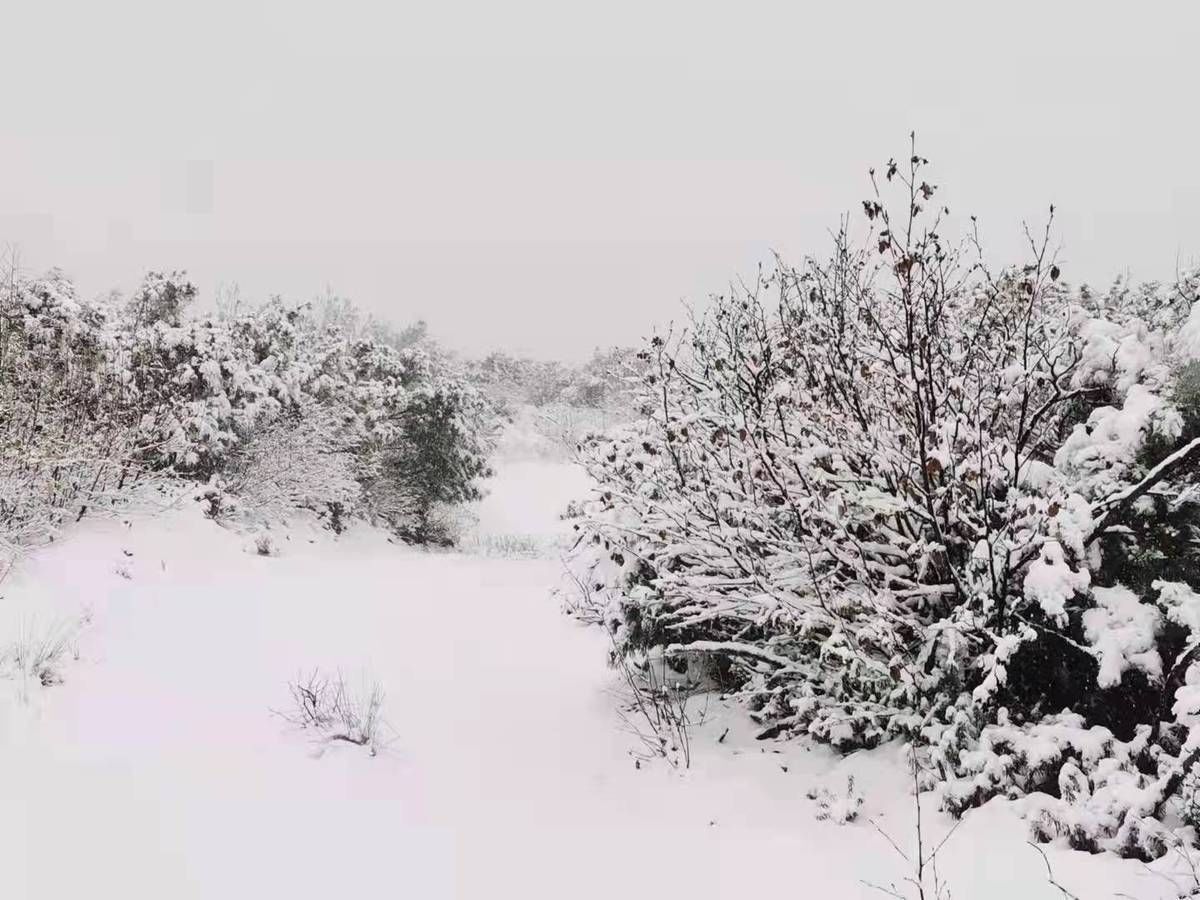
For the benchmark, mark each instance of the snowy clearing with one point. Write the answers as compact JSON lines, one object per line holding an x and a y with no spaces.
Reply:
{"x":157,"y":768}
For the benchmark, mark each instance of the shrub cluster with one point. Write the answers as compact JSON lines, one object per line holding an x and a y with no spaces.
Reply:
{"x":894,"y":493}
{"x":512,"y":381}
{"x":276,"y":408}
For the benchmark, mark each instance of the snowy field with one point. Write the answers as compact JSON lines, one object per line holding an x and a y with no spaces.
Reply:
{"x":158,"y":769}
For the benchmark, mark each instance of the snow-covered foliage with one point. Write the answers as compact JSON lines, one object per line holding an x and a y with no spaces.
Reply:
{"x":66,"y":436}
{"x":298,"y":461}
{"x":892,"y":493}
{"x":599,"y":383}
{"x":836,"y":806}
{"x":204,"y":384}
{"x":279,"y":405}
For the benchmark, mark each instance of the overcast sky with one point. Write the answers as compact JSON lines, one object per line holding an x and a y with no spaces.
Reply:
{"x":549,"y":177}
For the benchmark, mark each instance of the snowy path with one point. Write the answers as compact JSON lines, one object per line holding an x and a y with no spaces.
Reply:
{"x":157,"y":770}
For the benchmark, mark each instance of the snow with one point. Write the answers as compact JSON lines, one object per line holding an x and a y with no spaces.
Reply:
{"x":1105,"y":448}
{"x":1050,"y":582}
{"x":156,"y":769}
{"x":1181,"y":603}
{"x":1188,"y":338}
{"x":1123,"y":630}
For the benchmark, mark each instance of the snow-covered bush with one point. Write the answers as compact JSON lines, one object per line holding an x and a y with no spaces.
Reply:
{"x":839,"y":807}
{"x":656,"y":709}
{"x":302,"y":460}
{"x":894,"y":493}
{"x":272,"y":409}
{"x":509,"y":546}
{"x":601,"y":383}
{"x":512,"y":381}
{"x":421,"y":435}
{"x":200,"y":386}
{"x":161,"y":298}
{"x":37,"y":655}
{"x":334,"y":711}
{"x":353,"y":426}
{"x":562,"y":426}
{"x":66,"y":436}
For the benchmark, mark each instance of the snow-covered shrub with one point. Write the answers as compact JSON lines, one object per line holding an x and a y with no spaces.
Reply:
{"x":202,"y":385}
{"x":509,"y":546}
{"x":563,"y":425}
{"x":656,"y":709}
{"x":37,"y":655}
{"x":420,"y":435}
{"x":215,"y":501}
{"x":300,"y":415}
{"x":67,"y":439}
{"x":893,"y":493}
{"x":512,"y":381}
{"x":161,"y":298}
{"x":836,"y":806}
{"x":566,"y":398}
{"x":325,"y":704}
{"x":302,"y":460}
{"x":580,"y":600}
{"x":271,"y":409}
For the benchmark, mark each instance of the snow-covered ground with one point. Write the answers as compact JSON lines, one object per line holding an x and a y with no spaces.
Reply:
{"x":157,"y":768}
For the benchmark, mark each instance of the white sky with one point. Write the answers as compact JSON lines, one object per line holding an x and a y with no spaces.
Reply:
{"x":548,"y":177}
